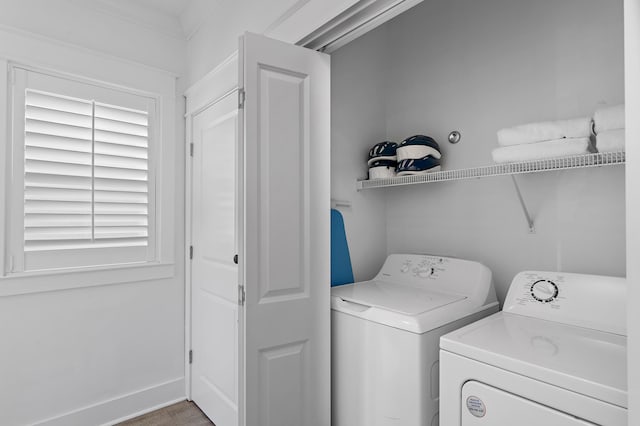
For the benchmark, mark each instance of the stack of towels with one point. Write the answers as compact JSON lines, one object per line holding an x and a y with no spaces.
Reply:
{"x":548,"y":139}
{"x":608,"y":124}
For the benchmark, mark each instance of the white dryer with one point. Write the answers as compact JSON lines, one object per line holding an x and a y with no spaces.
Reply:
{"x":556,"y":355}
{"x":385,"y":335}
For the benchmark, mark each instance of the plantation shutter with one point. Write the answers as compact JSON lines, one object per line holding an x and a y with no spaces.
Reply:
{"x":58,"y":158}
{"x":85,"y":174}
{"x":120,"y":176}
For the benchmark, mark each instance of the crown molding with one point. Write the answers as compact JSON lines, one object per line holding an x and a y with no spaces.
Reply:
{"x":148,"y":18}
{"x":195,"y":16}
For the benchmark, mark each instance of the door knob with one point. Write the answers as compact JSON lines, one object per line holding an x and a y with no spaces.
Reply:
{"x":235,"y":259}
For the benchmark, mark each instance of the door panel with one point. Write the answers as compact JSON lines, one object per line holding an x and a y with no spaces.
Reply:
{"x":214,"y":275}
{"x":283,"y":370}
{"x":285,"y":264}
{"x":283,"y":156}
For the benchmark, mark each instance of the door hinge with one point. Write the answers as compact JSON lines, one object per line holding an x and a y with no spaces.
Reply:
{"x":241,"y":295}
{"x":190,"y":252}
{"x":190,"y":356}
{"x":191,"y":149}
{"x":241,"y":98}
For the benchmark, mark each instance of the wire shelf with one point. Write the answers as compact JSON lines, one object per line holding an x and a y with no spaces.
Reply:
{"x":535,"y":166}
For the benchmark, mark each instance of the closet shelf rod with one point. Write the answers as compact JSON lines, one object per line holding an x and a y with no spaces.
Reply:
{"x":522,"y":167}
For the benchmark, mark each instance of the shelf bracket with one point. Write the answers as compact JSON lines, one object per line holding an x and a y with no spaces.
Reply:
{"x":532,"y":228}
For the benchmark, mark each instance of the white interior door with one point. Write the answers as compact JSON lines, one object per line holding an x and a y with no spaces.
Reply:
{"x":284,"y":262}
{"x":214,"y":275}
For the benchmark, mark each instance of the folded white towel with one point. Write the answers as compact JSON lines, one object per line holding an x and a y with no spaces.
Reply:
{"x":545,"y":131}
{"x":381,"y":172}
{"x":542,"y":150}
{"x":609,"y":118}
{"x":610,"y":141}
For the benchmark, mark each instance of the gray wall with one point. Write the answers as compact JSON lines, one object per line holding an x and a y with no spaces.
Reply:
{"x":358,"y":120}
{"x":478,"y":66}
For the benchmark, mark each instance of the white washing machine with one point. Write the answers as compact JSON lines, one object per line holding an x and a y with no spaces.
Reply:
{"x":556,"y":355}
{"x":385,"y":335}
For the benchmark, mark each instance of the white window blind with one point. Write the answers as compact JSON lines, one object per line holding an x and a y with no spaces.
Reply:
{"x":86,"y":174}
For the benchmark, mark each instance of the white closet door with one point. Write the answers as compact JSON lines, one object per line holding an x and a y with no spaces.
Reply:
{"x":214,"y":275}
{"x":285,"y":263}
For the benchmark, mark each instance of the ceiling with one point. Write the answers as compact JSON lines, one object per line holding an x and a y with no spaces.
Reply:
{"x":169,"y":7}
{"x":169,"y":17}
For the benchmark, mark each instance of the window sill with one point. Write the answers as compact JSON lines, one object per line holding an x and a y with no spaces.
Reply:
{"x":70,"y":278}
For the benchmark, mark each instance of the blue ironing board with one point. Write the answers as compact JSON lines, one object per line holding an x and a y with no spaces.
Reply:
{"x":341,"y":272}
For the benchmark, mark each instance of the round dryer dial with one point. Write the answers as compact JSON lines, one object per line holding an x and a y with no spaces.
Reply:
{"x":544,"y":291}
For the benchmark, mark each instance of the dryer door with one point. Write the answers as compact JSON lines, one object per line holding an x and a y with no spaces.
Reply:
{"x":486,"y":405}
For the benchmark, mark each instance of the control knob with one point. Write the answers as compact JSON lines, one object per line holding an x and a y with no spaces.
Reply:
{"x":424,"y":272}
{"x":544,"y":291}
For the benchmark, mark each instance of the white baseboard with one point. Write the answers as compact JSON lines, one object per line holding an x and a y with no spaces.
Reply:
{"x":123,"y":407}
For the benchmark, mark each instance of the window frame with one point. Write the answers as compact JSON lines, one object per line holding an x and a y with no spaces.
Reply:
{"x":13,"y":189}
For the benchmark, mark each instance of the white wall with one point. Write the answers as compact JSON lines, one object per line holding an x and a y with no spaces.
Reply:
{"x":480,"y":66}
{"x":91,"y":355}
{"x":358,"y":121}
{"x":632,"y":83}
{"x":102,"y":26}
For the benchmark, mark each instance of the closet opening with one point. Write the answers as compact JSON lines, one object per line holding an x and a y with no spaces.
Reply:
{"x":477,"y":67}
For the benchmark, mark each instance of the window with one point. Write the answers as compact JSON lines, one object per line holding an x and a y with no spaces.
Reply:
{"x":82,"y":178}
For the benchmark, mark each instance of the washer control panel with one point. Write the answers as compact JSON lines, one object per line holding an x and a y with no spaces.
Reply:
{"x":425,"y":266}
{"x":441,"y":273}
{"x":590,"y":301}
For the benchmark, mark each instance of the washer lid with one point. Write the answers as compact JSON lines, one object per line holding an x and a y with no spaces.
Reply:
{"x":398,"y":298}
{"x":582,"y":360}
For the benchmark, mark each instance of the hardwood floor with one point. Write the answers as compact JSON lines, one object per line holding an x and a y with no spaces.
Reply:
{"x":183,"y":413}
